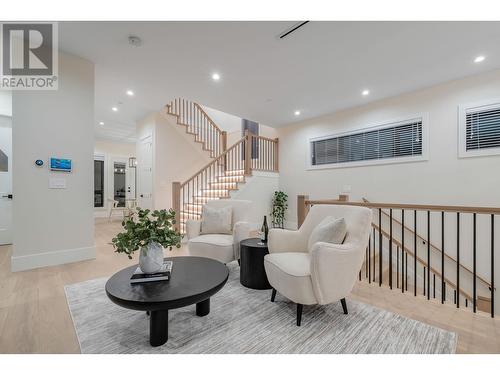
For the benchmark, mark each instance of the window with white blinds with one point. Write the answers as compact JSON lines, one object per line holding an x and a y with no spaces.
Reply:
{"x":479,"y":129}
{"x":482,"y":129}
{"x":392,"y":141}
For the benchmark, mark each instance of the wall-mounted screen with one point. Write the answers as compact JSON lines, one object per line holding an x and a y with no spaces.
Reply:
{"x":63,"y":165}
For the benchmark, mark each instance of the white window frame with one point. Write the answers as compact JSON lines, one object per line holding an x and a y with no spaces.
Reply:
{"x":462,"y":128}
{"x":424,"y":117}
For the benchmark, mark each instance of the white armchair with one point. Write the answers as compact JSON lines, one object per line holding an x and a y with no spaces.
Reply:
{"x":328,"y":272}
{"x":222,"y":247}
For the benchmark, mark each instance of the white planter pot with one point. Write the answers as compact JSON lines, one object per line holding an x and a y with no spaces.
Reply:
{"x":151,"y":258}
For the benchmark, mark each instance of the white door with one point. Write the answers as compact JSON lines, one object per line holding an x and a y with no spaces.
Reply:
{"x":145,"y":173}
{"x":5,"y":180}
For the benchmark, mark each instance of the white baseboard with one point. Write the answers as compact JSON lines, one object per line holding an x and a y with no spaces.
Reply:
{"x":53,"y":258}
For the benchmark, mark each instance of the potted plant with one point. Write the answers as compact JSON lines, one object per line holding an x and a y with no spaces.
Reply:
{"x":150,"y":232}
{"x":279,"y":206}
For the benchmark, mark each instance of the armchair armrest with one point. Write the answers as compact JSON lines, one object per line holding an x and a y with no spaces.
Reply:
{"x":193,"y":228}
{"x":334,"y":269}
{"x":283,"y":241}
{"x":241,"y":231}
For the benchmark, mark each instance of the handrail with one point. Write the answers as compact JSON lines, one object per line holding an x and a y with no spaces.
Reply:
{"x":433,"y":246}
{"x":199,"y":124}
{"x":208,"y":117}
{"x":217,"y":159}
{"x":419,"y":207}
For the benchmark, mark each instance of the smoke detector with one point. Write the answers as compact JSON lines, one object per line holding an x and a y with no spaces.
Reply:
{"x":134,"y":41}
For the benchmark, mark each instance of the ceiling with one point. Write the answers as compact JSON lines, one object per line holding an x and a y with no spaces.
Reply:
{"x":320,"y":69}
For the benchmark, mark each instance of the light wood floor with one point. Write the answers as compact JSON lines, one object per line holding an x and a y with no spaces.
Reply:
{"x":34,"y":316}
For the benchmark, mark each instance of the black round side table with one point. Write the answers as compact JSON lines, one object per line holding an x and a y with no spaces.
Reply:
{"x":252,"y":272}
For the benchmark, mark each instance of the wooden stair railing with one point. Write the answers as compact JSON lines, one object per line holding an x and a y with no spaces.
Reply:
{"x":222,"y":175}
{"x":199,"y":124}
{"x":385,"y":248}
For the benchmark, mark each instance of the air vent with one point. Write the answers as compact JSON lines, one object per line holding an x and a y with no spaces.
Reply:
{"x":293,"y":29}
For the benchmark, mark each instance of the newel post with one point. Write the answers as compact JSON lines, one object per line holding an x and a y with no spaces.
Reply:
{"x":277,"y":155}
{"x":248,"y":153}
{"x":176,"y":204}
{"x":224,"y":148}
{"x":302,"y":209}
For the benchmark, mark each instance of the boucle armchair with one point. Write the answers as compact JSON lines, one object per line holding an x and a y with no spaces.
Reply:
{"x":222,"y":247}
{"x":326,"y":272}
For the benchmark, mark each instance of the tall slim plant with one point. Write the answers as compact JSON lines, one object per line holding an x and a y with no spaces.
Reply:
{"x":279,"y":206}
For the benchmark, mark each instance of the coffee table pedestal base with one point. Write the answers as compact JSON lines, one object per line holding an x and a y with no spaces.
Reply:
{"x":158,"y":327}
{"x":203,"y":308}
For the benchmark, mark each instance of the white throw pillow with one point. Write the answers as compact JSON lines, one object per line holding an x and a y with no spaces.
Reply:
{"x":330,"y":230}
{"x":216,"y":220}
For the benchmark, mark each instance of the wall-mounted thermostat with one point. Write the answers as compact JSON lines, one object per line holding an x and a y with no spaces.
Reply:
{"x":61,"y":165}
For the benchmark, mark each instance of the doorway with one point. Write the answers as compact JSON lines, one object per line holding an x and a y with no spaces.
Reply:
{"x":5,"y":180}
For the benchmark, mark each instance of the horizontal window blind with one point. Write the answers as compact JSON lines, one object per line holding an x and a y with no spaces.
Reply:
{"x":482,"y":128}
{"x":401,"y":140}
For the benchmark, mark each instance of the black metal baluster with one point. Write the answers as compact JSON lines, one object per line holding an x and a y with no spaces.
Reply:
{"x":406,"y":271}
{"x":492,"y":265}
{"x":390,"y":248}
{"x":428,"y":254}
{"x":455,"y":296}
{"x":424,"y":279}
{"x":458,"y":260}
{"x":433,"y":285}
{"x":415,"y":252}
{"x":374,"y":249}
{"x":402,"y":250}
{"x":380,"y":247}
{"x":397,"y":266}
{"x":369,"y":260}
{"x":366,"y":261}
{"x":442,"y":259}
{"x":474,"y":296}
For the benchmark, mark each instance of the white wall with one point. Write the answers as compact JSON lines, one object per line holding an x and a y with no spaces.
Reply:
{"x":443,"y":179}
{"x":259,"y":189}
{"x":232,"y":125}
{"x":5,"y":103}
{"x":124,"y":149}
{"x":176,"y":157}
{"x":54,"y":226}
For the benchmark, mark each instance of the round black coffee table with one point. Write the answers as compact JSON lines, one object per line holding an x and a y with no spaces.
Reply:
{"x":193,"y":281}
{"x":252,"y":272}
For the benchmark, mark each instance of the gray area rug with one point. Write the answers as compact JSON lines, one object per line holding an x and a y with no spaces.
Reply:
{"x":243,"y":320}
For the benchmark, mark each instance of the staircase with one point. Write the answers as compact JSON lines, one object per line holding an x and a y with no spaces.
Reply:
{"x":197,"y":123}
{"x":229,"y":168}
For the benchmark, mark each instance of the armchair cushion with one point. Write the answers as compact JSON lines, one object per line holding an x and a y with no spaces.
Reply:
{"x":216,"y":220}
{"x":330,"y":230}
{"x":290,"y":274}
{"x":214,"y":246}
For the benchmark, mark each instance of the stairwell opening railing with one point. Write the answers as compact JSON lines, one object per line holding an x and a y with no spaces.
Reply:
{"x":436,"y":251}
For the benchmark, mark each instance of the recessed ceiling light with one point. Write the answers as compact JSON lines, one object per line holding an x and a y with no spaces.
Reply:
{"x":114,"y":109}
{"x":216,"y":76}
{"x":365,"y":92}
{"x":297,"y":113}
{"x":130,"y":93}
{"x":479,"y":59}
{"x":101,"y":123}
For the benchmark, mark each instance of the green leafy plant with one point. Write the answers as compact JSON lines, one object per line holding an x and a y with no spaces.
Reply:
{"x":144,"y":227}
{"x":279,"y":206}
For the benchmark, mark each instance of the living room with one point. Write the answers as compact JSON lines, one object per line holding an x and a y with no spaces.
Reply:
{"x":324,"y":186}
